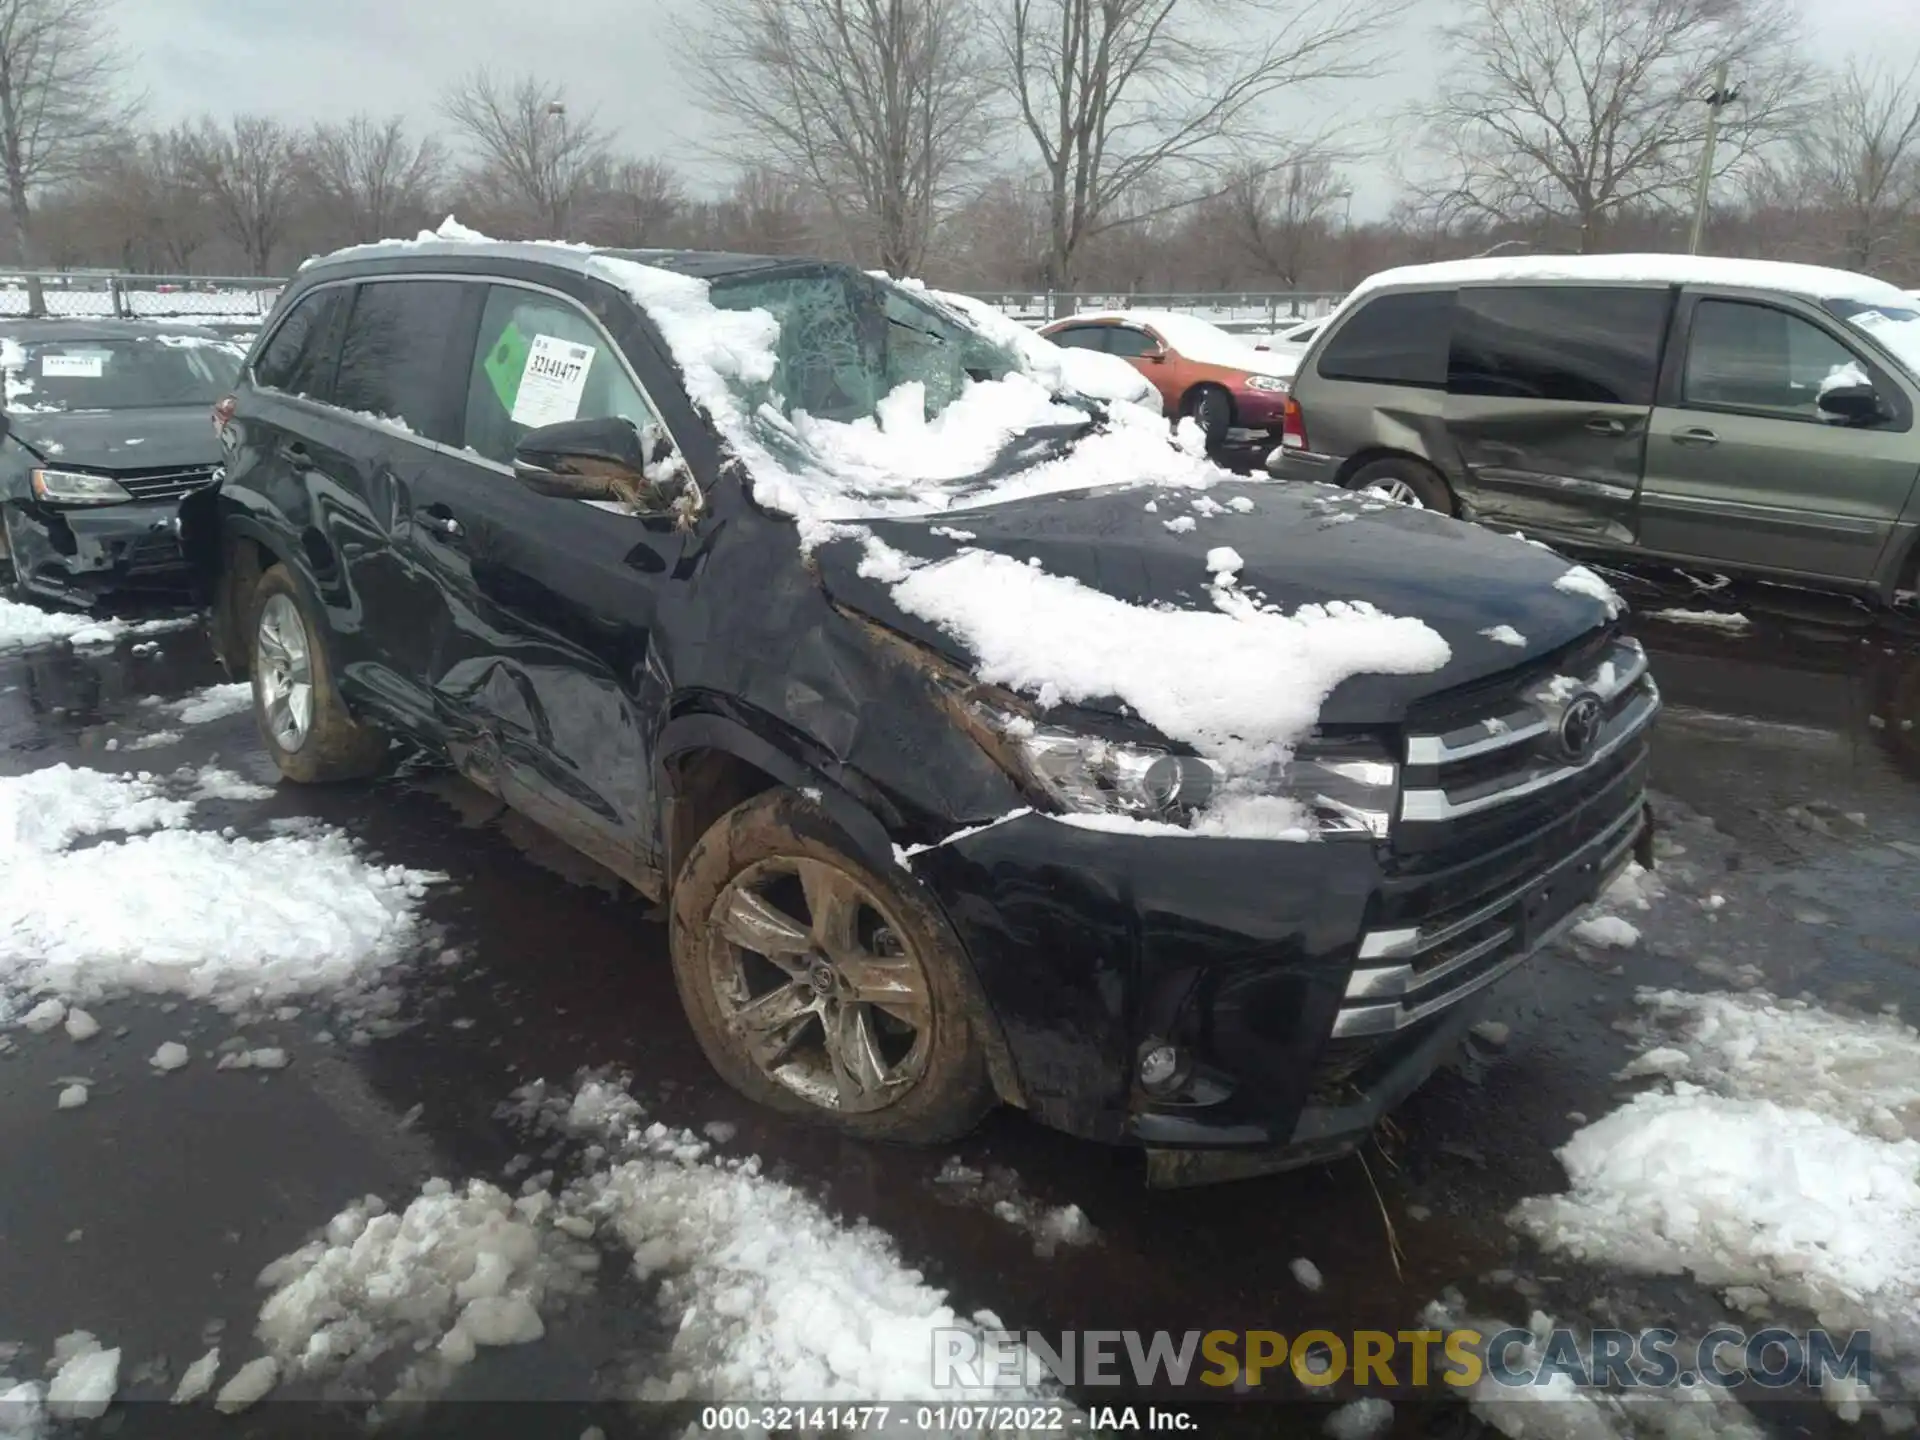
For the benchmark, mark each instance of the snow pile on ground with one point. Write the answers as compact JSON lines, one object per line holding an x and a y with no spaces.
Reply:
{"x":1712,"y":619}
{"x":457,"y":1270}
{"x":998,"y":1190}
{"x":1362,"y":1419}
{"x":1240,"y":682}
{"x":88,"y":1375}
{"x":1607,"y":932}
{"x":1561,"y":1409}
{"x":25,"y":627}
{"x":1781,"y":1157}
{"x":1864,"y":1073}
{"x":769,"y":1296}
{"x":216,"y":702}
{"x":194,"y":913}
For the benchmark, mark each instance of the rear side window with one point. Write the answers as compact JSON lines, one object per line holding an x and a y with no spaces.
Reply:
{"x":1124,"y":340}
{"x":299,"y":358}
{"x":393,"y":358}
{"x":1585,"y":345}
{"x":1393,"y":340}
{"x":1081,"y":337}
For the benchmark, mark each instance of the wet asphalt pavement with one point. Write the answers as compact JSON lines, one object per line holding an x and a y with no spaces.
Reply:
{"x":145,"y":1216}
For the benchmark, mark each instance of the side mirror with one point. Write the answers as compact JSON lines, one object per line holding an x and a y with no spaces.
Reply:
{"x":1858,"y":404}
{"x":1156,"y":357}
{"x":606,"y":459}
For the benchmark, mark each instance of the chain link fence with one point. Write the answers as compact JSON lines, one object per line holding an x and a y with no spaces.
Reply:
{"x":241,"y":302}
{"x":1254,"y":312}
{"x":225,"y":302}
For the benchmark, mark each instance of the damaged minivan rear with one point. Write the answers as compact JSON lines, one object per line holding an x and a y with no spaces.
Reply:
{"x":986,"y":742}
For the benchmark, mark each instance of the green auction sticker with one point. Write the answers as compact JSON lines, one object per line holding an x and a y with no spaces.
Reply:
{"x":506,"y":362}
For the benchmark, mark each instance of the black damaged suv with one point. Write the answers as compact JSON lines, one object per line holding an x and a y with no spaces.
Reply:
{"x":471,"y":501}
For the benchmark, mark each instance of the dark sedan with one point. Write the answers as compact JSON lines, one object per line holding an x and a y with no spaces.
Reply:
{"x":107,"y":425}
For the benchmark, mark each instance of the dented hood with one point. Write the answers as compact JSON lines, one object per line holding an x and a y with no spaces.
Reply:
{"x":174,"y":436}
{"x":1300,"y":545}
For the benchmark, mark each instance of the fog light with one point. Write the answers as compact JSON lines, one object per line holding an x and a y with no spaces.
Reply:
{"x":1160,"y":1066}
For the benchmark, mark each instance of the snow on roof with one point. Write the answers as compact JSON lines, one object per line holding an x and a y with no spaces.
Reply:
{"x":1200,"y":340}
{"x":1813,"y":281}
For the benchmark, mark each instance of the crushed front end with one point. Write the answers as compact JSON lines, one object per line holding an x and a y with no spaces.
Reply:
{"x":1237,"y":1006}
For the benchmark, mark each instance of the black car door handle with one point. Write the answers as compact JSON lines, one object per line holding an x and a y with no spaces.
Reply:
{"x":1695,"y":435}
{"x":1607,"y":425}
{"x":441,"y":523}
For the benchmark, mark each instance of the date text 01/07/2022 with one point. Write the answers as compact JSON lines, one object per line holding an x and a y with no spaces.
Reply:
{"x":920,"y":1419}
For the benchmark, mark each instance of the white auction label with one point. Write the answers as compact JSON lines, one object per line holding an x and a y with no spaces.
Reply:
{"x":72,"y":367}
{"x":553,"y":382}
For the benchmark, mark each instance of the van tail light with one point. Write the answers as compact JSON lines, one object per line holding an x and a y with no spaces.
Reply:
{"x":1293,"y":433}
{"x":223,"y":409}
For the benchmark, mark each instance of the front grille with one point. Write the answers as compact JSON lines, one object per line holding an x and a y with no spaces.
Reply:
{"x":1520,"y":747}
{"x":164,"y":484}
{"x":1505,"y":832}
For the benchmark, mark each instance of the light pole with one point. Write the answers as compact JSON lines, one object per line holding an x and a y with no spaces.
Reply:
{"x":1717,"y":98}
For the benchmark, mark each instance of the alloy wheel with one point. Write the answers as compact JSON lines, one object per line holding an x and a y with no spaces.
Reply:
{"x":286,"y":672}
{"x":1398,"y":491}
{"x":817,"y":985}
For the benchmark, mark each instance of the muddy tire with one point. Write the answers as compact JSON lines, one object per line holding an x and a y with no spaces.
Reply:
{"x":1211,"y":408}
{"x":821,"y":989}
{"x":1406,"y":481}
{"x":306,"y":728}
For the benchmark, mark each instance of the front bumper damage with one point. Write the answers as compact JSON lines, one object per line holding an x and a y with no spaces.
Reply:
{"x":1093,"y":946}
{"x":80,"y":554}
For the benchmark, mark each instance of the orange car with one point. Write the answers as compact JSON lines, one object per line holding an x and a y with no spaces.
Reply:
{"x":1200,"y":370}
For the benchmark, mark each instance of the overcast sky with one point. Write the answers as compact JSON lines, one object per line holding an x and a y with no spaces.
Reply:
{"x":303,"y":60}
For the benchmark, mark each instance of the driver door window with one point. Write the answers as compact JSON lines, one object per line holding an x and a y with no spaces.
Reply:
{"x":527,"y":372}
{"x":1753,"y":357}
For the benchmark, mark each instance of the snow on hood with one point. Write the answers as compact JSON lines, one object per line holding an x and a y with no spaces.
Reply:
{"x":1196,"y":339}
{"x":1238,"y":680}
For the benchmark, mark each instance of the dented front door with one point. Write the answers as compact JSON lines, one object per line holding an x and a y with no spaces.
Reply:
{"x":546,"y":662}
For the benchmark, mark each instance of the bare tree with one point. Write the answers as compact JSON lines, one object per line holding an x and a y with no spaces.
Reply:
{"x":1859,"y":157}
{"x":1280,"y":215}
{"x":632,"y":203}
{"x":528,"y":144}
{"x":1118,"y":93}
{"x":248,"y":170}
{"x":1577,"y":111}
{"x":875,"y":105}
{"x":58,"y":104}
{"x":137,"y":196}
{"x":374,"y":176}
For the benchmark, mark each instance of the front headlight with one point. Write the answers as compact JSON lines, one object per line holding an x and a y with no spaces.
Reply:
{"x":1273,"y":383}
{"x":74,"y":487}
{"x":1342,"y":789}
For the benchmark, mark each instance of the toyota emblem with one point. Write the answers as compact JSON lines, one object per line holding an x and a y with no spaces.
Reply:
{"x":1580,"y":726}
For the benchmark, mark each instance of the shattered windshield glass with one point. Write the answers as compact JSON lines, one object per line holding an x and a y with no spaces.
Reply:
{"x":848,"y":342}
